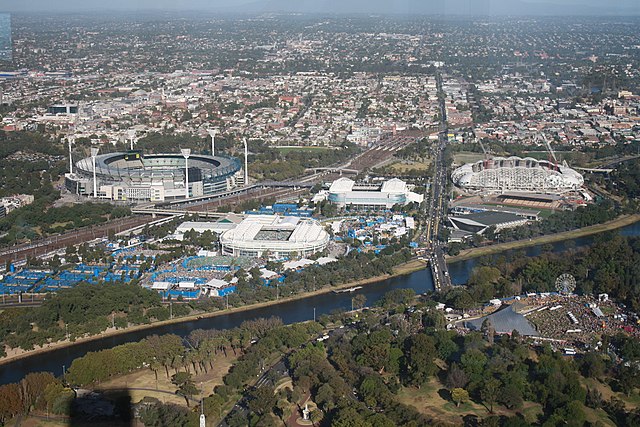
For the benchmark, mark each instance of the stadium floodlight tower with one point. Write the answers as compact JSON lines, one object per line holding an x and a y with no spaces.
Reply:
{"x":94,"y":153}
{"x":246,"y":163}
{"x":212,"y":134}
{"x":186,"y":152}
{"x":131,"y":133}
{"x":70,"y":141}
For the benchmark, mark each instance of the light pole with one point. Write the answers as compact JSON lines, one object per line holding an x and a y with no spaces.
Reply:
{"x":203,"y":420}
{"x":70,"y":140}
{"x":131,"y":133}
{"x":186,"y":152}
{"x":212,"y":134}
{"x":94,"y":153}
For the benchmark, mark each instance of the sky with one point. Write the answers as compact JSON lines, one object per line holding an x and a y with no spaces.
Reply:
{"x":452,"y":7}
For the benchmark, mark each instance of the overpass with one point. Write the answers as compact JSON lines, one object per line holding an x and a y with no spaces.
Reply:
{"x":334,"y":170}
{"x":285,"y":184}
{"x":207,"y":198}
{"x":177,"y":212}
{"x":594,"y":170}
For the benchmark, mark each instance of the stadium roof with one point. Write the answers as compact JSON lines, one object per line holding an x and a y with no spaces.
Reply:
{"x":487,"y":218}
{"x":302,"y":230}
{"x":342,"y":185}
{"x":394,"y":185}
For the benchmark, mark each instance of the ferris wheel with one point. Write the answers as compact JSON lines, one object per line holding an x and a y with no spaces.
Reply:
{"x":566,"y":284}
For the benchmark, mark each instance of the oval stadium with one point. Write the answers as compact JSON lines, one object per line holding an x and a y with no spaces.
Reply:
{"x":134,"y":176}
{"x":517,"y":174}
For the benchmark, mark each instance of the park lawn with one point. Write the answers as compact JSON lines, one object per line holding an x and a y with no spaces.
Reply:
{"x":36,"y":422}
{"x":632,"y":402}
{"x":462,"y":157}
{"x":39,"y":422}
{"x":401,"y":167}
{"x":145,"y":379}
{"x":60,"y":224}
{"x":410,"y":267}
{"x":428,"y":400}
{"x":594,"y":415}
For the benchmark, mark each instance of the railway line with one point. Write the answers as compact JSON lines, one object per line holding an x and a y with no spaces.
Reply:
{"x":41,"y":247}
{"x":381,"y":152}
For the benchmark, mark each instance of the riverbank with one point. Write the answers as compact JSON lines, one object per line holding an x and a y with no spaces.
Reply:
{"x":619,"y":222}
{"x":400,"y":270}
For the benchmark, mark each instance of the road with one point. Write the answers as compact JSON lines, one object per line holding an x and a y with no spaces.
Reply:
{"x":437,"y":205}
{"x":271,"y":376}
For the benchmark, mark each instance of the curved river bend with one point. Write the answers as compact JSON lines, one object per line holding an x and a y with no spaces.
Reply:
{"x":289,"y":312}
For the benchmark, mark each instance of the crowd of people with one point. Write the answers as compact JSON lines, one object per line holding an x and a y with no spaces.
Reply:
{"x":577,"y":318}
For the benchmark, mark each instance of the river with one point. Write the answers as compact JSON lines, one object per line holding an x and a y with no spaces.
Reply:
{"x":289,"y":312}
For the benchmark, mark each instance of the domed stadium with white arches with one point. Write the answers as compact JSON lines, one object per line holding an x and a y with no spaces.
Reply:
{"x":517,"y":174}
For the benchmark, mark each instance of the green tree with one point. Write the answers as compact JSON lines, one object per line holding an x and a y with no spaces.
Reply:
{"x":11,"y":402}
{"x":186,"y":387}
{"x":163,"y":415}
{"x":459,"y":395}
{"x":358,"y":301}
{"x":420,"y":352}
{"x":490,"y":393}
{"x":261,"y":400}
{"x":456,"y":377}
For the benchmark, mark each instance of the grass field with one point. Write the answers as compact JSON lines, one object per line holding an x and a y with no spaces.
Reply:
{"x":145,"y":378}
{"x":593,"y":415}
{"x":429,"y":401}
{"x":632,"y":402}
{"x":410,"y":267}
{"x":462,"y":157}
{"x":402,"y":167}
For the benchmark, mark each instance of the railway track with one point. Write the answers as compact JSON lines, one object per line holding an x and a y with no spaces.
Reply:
{"x":40,"y":247}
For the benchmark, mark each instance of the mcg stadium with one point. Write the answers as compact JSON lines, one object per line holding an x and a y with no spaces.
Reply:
{"x":134,"y":176}
{"x":517,"y":174}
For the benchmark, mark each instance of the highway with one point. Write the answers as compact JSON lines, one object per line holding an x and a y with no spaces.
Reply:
{"x":437,"y":206}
